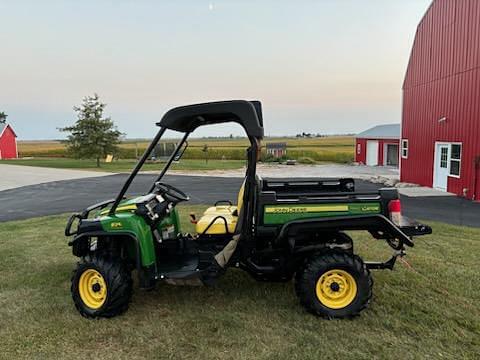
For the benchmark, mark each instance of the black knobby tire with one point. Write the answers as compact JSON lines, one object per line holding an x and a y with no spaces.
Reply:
{"x":320,"y":264}
{"x":118,"y":282}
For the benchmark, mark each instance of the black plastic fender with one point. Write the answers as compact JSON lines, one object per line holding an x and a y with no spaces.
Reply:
{"x":371,"y":223}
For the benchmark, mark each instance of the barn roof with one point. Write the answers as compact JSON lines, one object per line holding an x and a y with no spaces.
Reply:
{"x":388,"y":131}
{"x":445,"y":44}
{"x":3,"y":127}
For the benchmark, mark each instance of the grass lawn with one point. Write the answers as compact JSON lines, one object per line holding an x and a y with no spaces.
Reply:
{"x":125,"y":165}
{"x":428,"y":311}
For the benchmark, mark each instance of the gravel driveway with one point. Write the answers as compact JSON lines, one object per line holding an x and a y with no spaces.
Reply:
{"x":369,"y":173}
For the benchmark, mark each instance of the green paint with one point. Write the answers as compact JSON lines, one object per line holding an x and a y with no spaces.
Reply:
{"x":125,"y":220}
{"x":135,"y":225}
{"x":280,"y":214}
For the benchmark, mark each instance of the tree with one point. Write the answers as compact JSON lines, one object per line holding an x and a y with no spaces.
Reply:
{"x":3,"y":118}
{"x":92,"y":135}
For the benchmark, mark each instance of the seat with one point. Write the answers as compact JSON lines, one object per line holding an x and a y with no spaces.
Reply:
{"x":229,"y":209}
{"x":224,"y":217}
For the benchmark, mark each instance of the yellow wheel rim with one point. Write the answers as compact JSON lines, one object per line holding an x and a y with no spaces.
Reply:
{"x":92,"y":288}
{"x":336,"y":289}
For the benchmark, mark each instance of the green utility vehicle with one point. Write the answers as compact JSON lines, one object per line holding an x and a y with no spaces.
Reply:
{"x":277,"y":230}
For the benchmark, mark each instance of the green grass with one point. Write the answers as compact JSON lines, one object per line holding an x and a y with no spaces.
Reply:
{"x":125,"y":165}
{"x":427,"y":311}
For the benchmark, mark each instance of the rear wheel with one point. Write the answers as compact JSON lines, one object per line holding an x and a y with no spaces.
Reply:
{"x":334,"y":285}
{"x":101,"y":286}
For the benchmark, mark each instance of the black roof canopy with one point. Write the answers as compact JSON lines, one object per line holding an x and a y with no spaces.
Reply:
{"x":187,"y":118}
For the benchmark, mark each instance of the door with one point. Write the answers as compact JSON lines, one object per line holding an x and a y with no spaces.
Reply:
{"x":392,"y":155}
{"x":372,"y":152}
{"x":440,"y":174}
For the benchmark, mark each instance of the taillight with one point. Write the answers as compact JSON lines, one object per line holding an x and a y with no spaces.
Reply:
{"x":395,"y":210}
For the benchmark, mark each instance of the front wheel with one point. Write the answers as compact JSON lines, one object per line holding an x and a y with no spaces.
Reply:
{"x":334,"y":285}
{"x":101,"y":286}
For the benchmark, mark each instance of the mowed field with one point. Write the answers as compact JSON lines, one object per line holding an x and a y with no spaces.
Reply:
{"x":426,"y":310}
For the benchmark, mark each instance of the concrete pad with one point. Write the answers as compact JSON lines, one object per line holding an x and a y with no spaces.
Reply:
{"x":422,"y":191}
{"x":14,"y":176}
{"x":378,"y":174}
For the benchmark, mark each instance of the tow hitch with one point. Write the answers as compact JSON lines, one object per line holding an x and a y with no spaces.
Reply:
{"x":389,"y":264}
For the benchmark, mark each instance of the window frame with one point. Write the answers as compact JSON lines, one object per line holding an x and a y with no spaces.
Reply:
{"x":359,"y":148}
{"x":459,"y":160}
{"x":403,"y":148}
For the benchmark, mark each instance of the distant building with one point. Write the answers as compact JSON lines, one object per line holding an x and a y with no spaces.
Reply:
{"x":277,"y":150}
{"x":378,"y":146}
{"x":8,"y":142}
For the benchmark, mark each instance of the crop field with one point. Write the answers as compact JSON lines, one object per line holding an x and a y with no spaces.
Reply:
{"x":322,"y":149}
{"x":426,"y":310}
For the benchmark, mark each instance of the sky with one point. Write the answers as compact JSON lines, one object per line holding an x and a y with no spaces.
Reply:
{"x":331,"y":66}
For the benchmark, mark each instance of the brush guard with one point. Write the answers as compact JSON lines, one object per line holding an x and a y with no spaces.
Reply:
{"x":84,"y":215}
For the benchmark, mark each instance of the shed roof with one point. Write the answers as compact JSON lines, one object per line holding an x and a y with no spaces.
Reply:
{"x":3,"y":127}
{"x":388,"y":131}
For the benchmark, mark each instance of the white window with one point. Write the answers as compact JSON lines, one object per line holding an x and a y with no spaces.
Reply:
{"x":359,"y":148}
{"x":455,"y":159}
{"x":404,"y":148}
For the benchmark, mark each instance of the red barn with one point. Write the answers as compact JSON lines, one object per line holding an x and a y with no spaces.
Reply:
{"x":378,"y":145}
{"x":8,"y":142}
{"x":441,"y":100}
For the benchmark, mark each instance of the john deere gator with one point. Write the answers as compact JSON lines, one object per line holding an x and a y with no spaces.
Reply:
{"x":277,"y":230}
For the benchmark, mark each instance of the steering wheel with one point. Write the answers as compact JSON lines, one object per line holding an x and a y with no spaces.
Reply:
{"x":171,"y":191}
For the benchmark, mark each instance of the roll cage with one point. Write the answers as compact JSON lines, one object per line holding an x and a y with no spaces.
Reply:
{"x":186,"y":119}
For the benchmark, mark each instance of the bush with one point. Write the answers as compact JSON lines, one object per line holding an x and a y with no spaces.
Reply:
{"x":329,"y":156}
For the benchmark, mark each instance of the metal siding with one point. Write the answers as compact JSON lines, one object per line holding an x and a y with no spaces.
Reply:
{"x":381,"y":144}
{"x":443,"y":79}
{"x":361,"y":158}
{"x":8,"y":145}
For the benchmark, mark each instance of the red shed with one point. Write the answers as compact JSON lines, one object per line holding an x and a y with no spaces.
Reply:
{"x":8,"y":142}
{"x":378,"y":145}
{"x":441,"y":100}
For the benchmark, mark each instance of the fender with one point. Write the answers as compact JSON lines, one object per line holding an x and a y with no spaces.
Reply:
{"x":78,"y":241}
{"x":146,"y":274}
{"x":373,"y":222}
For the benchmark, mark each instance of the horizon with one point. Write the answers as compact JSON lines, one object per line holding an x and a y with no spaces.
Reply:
{"x":318,"y":67}
{"x":220,"y":137}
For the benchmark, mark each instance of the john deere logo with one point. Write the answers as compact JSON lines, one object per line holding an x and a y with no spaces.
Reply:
{"x":116,"y":225}
{"x":305,"y":209}
{"x":370,"y":208}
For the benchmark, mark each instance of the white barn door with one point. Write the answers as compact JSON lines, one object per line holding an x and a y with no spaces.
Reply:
{"x":440,"y":173}
{"x":372,"y":152}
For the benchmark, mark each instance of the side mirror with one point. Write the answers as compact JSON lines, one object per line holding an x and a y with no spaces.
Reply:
{"x":181,"y":151}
